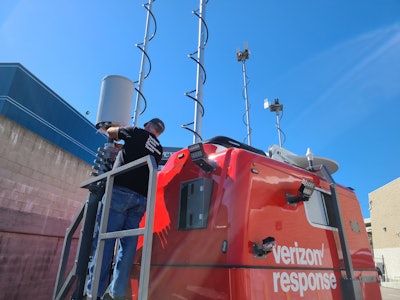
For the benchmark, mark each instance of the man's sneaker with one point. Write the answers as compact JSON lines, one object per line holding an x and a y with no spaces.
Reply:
{"x":108,"y":296}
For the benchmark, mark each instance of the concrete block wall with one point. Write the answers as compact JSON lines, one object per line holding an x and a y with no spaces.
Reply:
{"x":385,"y":225}
{"x":39,"y":197}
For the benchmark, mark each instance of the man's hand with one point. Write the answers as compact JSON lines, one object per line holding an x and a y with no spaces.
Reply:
{"x":113,"y":133}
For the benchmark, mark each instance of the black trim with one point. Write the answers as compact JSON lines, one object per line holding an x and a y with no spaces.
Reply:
{"x":205,"y":266}
{"x":231,"y":143}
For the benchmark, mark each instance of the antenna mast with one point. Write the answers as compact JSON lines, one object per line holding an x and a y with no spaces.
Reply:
{"x":198,"y":110}
{"x":201,"y":75}
{"x":142,"y":76}
{"x":242,"y":56}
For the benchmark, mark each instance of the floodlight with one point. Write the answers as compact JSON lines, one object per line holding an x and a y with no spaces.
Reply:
{"x":276,"y":106}
{"x":266,"y":246}
{"x":304,"y":192}
{"x":199,"y":157}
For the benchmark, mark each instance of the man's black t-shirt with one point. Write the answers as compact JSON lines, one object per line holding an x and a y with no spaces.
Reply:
{"x":138,"y":143}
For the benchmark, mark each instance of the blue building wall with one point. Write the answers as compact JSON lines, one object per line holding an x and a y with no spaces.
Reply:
{"x":30,"y":103}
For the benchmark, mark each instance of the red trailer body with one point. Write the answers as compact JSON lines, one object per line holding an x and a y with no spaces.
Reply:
{"x":210,"y":227}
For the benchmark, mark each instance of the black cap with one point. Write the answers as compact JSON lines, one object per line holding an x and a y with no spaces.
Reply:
{"x":158,"y":124}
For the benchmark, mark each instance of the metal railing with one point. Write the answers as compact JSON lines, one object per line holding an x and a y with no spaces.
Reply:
{"x":81,"y":262}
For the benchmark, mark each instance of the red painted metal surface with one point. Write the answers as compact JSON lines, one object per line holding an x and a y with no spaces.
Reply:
{"x":247,"y":205}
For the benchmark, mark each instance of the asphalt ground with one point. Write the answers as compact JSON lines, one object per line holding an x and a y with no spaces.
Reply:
{"x":390,"y":293}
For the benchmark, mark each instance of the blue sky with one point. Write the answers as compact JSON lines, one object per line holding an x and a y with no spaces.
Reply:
{"x":334,"y":65}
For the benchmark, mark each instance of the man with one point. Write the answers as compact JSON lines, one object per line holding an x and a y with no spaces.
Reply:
{"x":128,"y":204}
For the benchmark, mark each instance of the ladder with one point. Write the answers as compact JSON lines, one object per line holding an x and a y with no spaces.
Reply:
{"x":87,"y":215}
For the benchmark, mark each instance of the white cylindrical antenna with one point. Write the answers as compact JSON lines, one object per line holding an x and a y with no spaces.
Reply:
{"x":115,"y":102}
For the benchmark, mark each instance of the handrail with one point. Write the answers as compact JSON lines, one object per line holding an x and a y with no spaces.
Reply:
{"x":87,"y":213}
{"x":147,"y":231}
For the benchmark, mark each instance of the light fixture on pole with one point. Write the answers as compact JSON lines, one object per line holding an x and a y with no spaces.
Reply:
{"x":275,"y":107}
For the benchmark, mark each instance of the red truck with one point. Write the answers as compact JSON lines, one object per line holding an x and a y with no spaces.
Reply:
{"x":232,"y":222}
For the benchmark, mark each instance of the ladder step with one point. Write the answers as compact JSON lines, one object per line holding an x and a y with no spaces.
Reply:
{"x":120,"y":234}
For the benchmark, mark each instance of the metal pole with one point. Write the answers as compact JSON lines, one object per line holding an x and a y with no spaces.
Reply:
{"x":246,"y":99}
{"x":278,"y":125}
{"x":383,"y":269}
{"x":198,"y":111}
{"x":136,"y":113}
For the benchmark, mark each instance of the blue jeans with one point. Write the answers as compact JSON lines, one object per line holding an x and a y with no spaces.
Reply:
{"x":126,"y":210}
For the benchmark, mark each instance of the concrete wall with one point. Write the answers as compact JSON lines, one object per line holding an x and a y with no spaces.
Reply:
{"x":39,"y":196}
{"x":385,"y":224}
